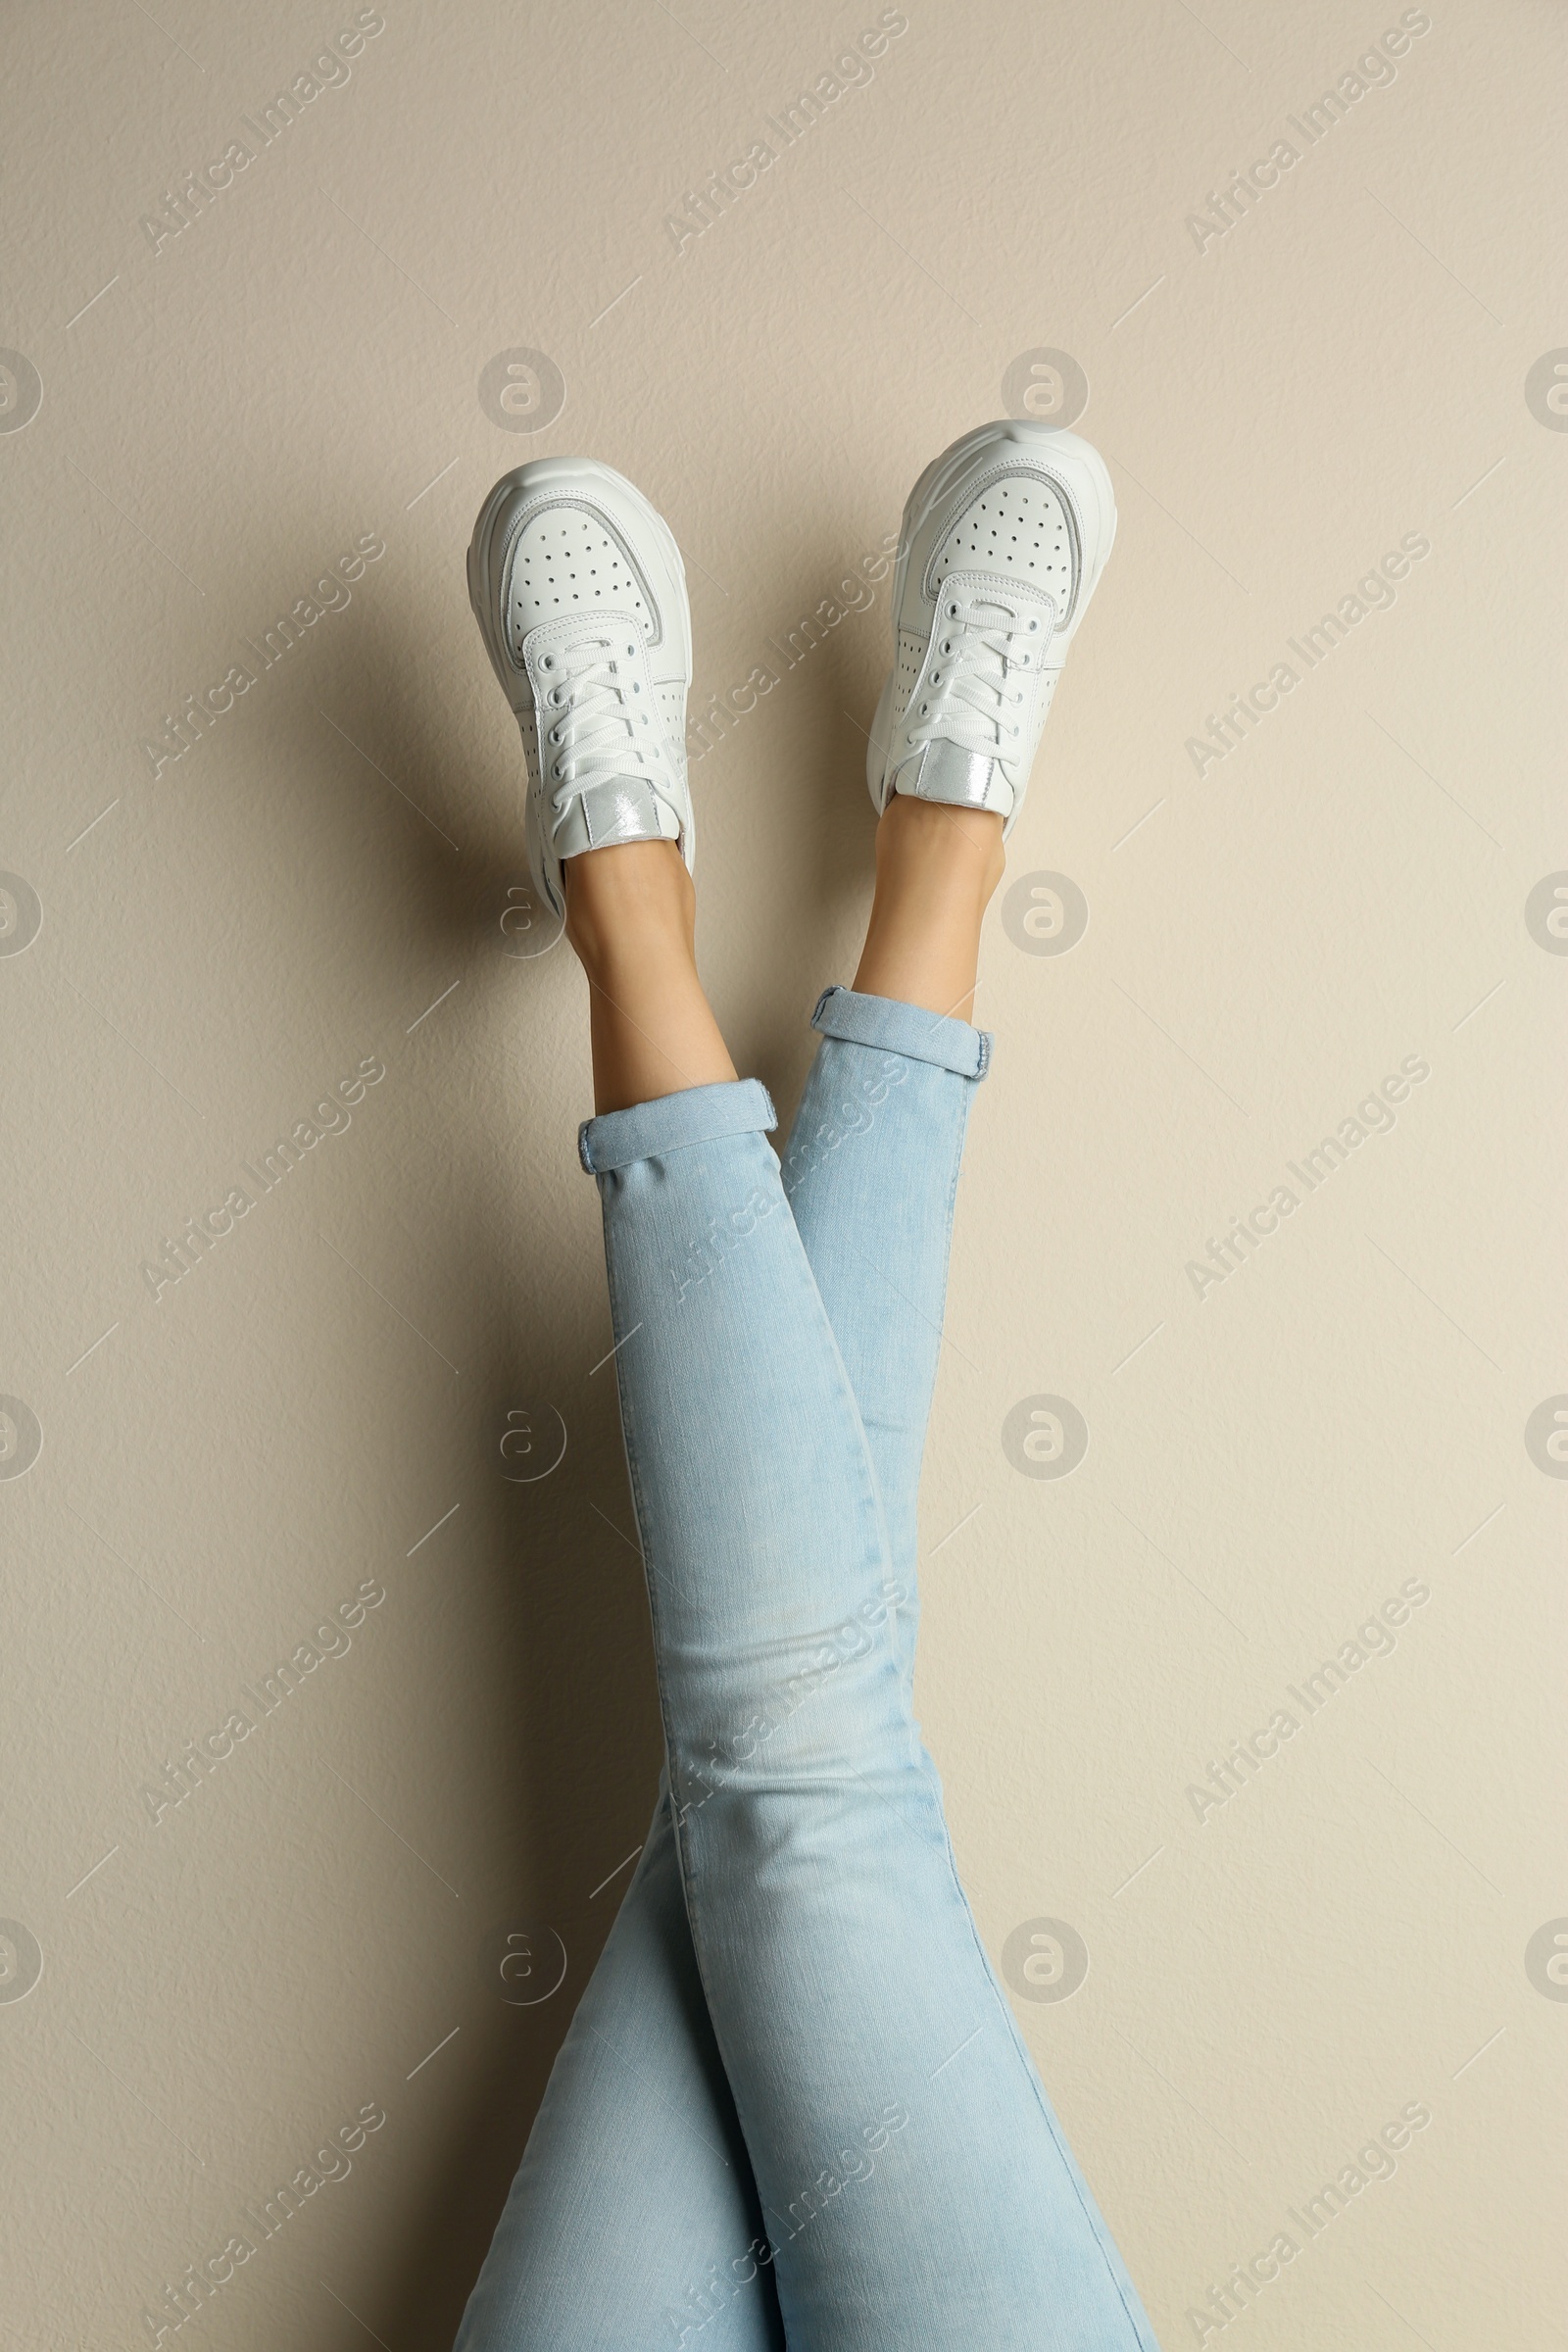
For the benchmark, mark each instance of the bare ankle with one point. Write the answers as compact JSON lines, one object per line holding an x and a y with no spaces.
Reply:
{"x":632,"y":899}
{"x":963,"y":846}
{"x":935,"y":869}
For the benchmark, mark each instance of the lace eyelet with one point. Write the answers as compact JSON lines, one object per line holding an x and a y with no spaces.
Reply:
{"x":549,"y":661}
{"x":953,"y":612}
{"x":1033,"y":625}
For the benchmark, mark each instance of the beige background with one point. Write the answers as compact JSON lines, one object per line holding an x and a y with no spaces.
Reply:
{"x":325,"y":877}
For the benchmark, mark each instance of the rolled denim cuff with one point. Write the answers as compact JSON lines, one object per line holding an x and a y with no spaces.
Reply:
{"x":700,"y":1115}
{"x":898,"y":1028}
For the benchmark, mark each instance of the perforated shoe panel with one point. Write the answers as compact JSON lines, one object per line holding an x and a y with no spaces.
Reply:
{"x":911,"y":658}
{"x":671,"y":694}
{"x":1016,"y":524}
{"x":568,"y":561}
{"x":528,"y":728}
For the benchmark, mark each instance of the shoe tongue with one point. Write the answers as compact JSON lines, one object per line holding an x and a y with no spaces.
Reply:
{"x":944,"y":772}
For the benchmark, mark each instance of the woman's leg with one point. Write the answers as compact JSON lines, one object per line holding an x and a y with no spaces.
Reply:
{"x":631,"y":915}
{"x":633,"y":2220}
{"x":909,"y":2169}
{"x":871,"y":1167}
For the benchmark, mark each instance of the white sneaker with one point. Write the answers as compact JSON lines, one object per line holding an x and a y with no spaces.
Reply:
{"x":1003,"y":541}
{"x":580,"y":595}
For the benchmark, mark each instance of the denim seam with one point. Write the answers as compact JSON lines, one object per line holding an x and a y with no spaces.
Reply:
{"x":941,"y":1307}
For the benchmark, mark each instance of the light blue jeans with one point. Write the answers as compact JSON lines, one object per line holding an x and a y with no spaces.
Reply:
{"x":793,"y":2107}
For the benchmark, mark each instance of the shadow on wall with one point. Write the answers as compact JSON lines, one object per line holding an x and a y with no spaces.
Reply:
{"x":550,"y":1730}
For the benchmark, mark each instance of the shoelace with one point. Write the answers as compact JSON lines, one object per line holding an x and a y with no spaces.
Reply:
{"x":596,"y":727}
{"x":971,"y":698}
